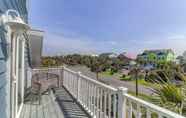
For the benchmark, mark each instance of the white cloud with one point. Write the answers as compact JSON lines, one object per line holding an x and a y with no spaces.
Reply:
{"x":112,"y":42}
{"x":174,"y":42}
{"x":61,"y":44}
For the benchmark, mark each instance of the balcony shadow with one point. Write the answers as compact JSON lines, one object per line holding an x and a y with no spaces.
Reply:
{"x":68,"y":105}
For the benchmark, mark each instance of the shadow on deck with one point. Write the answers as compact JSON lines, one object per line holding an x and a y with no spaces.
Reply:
{"x":69,"y":106}
{"x":57,"y":105}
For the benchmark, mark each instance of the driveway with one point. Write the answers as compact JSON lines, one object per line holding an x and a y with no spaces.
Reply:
{"x":113,"y":81}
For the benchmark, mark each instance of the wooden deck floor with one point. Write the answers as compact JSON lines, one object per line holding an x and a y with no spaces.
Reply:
{"x":58,"y":105}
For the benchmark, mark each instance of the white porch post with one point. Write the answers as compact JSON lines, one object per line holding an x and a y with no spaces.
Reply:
{"x":17,"y":27}
{"x":122,"y":102}
{"x":61,"y":76}
{"x":23,"y":68}
{"x":78,"y":84}
{"x":62,"y":81}
{"x":17,"y":69}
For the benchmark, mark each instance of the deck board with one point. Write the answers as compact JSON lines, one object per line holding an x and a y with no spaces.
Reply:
{"x":58,"y":105}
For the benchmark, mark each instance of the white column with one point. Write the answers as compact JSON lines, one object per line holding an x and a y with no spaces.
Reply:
{"x":78,"y":85}
{"x":23,"y":69}
{"x":17,"y":71}
{"x":122,"y":102}
{"x":13,"y":75}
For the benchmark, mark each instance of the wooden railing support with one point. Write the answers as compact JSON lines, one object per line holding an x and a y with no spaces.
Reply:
{"x":62,"y":76}
{"x":101,"y":100}
{"x":78,"y":85}
{"x":122,"y":102}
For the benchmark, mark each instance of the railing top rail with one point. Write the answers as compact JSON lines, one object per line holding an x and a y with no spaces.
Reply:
{"x":71,"y":71}
{"x":93,"y":81}
{"x":99,"y":83}
{"x":154,"y":108}
{"x":45,"y":68}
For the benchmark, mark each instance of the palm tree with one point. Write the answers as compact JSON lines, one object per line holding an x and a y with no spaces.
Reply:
{"x":170,"y":97}
{"x":135,"y":71}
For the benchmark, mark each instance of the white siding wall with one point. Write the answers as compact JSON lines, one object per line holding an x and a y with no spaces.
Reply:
{"x":20,"y":6}
{"x":4,"y":80}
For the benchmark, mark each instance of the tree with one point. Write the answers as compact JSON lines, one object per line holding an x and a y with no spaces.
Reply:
{"x":170,"y":96}
{"x":184,"y":55}
{"x":96,"y":66}
{"x":135,"y":71}
{"x":116,"y":64}
{"x":48,"y":61}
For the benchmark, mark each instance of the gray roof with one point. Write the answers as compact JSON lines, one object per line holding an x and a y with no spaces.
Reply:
{"x":158,"y":51}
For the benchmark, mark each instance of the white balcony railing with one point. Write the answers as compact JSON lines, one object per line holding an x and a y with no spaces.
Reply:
{"x":103,"y":101}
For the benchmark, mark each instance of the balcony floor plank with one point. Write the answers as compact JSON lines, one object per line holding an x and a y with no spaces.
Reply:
{"x":61,"y":105}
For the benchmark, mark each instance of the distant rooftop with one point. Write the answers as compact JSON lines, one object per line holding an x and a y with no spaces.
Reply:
{"x":157,"y":51}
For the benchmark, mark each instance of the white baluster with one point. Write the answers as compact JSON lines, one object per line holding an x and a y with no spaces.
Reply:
{"x":101,"y":103}
{"x":69,"y":82}
{"x":78,"y":85}
{"x":94,"y":100}
{"x":130,"y":109}
{"x":87,"y":94}
{"x":82,"y":90}
{"x":72,"y":79}
{"x":138,"y":111}
{"x":109,"y":106}
{"x":91,"y":98}
{"x":114,"y":105}
{"x":148,"y":113}
{"x":105,"y":104}
{"x":97,"y":103}
{"x":160,"y":116}
{"x":84,"y":93}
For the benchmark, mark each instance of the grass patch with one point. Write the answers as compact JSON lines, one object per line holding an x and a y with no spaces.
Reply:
{"x":108,"y":74}
{"x":126,"y":78}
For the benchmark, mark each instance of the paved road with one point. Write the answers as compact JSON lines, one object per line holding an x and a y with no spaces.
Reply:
{"x":111,"y":81}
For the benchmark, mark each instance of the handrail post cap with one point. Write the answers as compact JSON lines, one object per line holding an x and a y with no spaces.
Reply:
{"x":79,"y":72}
{"x":123,"y":89}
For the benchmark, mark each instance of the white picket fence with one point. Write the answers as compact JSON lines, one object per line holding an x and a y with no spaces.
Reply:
{"x":103,"y":101}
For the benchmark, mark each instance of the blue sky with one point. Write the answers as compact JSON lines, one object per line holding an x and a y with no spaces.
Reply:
{"x":95,"y":26}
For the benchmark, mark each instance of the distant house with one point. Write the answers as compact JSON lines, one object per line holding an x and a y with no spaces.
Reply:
{"x":161,"y":55}
{"x":125,"y":57}
{"x":125,"y":72}
{"x":110,"y":55}
{"x":94,"y":55}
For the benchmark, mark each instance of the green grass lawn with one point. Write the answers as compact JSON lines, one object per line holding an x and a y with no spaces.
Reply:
{"x":108,"y":74}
